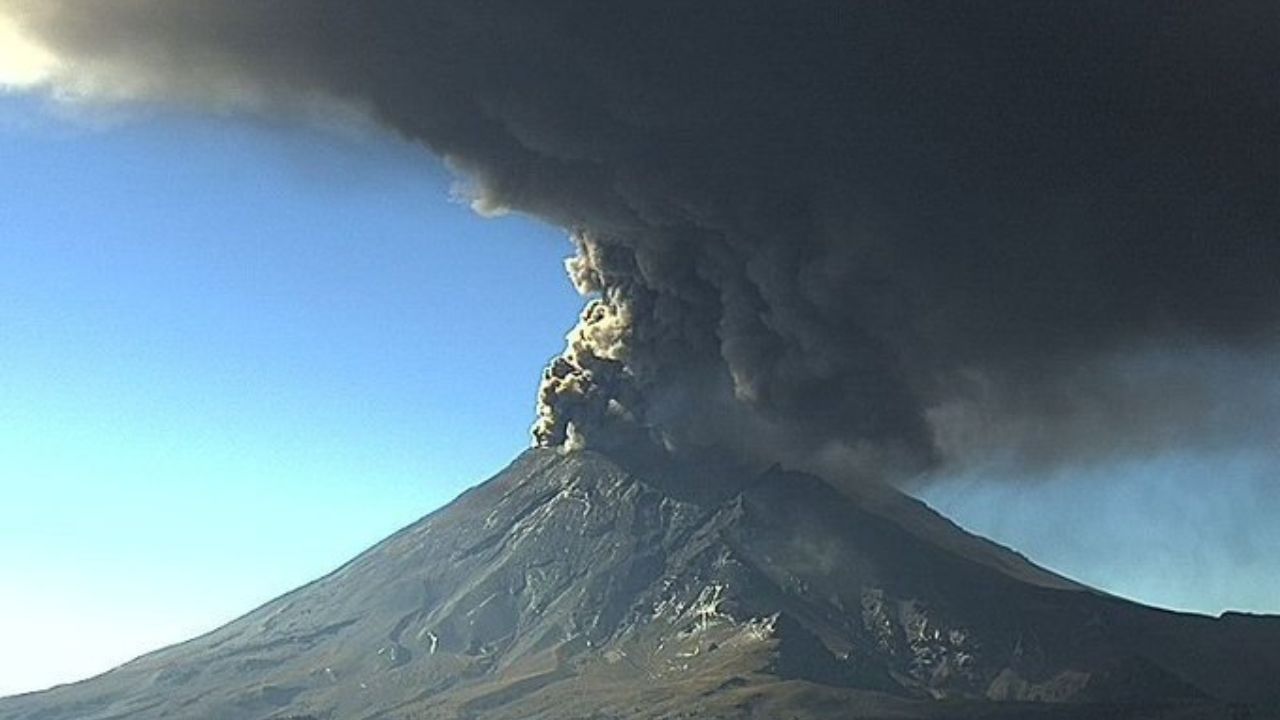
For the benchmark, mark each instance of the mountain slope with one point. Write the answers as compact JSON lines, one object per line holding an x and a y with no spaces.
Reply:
{"x":572,"y":586}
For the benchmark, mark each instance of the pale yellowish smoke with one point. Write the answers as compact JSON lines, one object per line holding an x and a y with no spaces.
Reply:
{"x":887,"y":236}
{"x":24,"y":63}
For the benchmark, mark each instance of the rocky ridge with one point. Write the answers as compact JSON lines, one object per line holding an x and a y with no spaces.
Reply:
{"x":577,"y":586}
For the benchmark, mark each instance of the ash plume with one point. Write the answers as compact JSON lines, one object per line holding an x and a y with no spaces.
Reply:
{"x":884,"y":236}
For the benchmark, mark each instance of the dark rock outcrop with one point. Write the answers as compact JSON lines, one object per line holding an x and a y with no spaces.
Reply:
{"x":574,"y":586}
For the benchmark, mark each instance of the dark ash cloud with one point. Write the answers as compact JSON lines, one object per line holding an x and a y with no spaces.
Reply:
{"x":889,"y":236}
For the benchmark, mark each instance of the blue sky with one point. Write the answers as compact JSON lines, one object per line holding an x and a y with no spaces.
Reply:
{"x":234,"y":354}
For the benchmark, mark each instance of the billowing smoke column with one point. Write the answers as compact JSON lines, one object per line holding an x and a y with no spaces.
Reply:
{"x":593,"y":385}
{"x":878,"y":235}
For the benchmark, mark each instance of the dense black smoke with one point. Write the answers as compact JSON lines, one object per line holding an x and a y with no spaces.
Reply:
{"x":881,"y":234}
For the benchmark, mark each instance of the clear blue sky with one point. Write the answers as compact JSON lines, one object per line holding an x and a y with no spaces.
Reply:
{"x":234,"y":354}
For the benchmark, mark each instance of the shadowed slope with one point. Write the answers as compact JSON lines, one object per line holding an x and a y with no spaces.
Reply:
{"x":570,"y":586}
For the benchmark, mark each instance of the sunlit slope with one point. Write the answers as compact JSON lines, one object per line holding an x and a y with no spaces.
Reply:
{"x":576,"y":586}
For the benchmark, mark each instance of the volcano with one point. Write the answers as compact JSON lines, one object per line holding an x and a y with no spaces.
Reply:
{"x":577,"y":585}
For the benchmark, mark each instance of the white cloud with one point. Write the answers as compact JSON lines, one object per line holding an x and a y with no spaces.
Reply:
{"x":23,"y":62}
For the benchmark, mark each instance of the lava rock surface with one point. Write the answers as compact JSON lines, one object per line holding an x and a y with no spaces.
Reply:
{"x":578,"y":586}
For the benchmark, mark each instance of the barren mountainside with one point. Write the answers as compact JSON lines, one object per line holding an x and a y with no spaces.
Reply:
{"x":575,"y":586}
